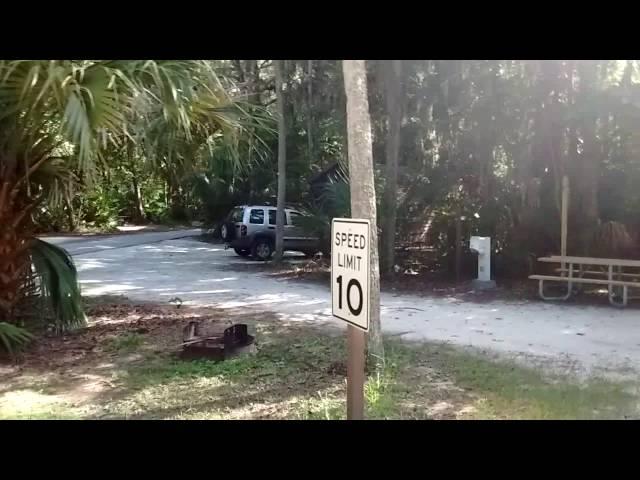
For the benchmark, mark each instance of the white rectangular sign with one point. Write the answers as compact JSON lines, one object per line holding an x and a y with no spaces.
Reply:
{"x":350,"y":260}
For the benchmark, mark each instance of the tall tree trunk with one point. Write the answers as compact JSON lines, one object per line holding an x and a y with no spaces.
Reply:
{"x":310,"y":110}
{"x":239,"y":67}
{"x":68,"y":206}
{"x":393,"y":93}
{"x":570,"y":161}
{"x":165,"y":193}
{"x":137,"y":191}
{"x":589,"y":160}
{"x":458,"y":242}
{"x":589,"y":164}
{"x":176,"y":203}
{"x":282,"y":161}
{"x":252,"y":77}
{"x":363,"y":193}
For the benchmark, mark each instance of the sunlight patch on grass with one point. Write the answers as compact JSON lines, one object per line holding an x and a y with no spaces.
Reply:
{"x":29,"y":404}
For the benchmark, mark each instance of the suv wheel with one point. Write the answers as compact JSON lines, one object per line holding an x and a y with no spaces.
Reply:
{"x":224,"y":232}
{"x":262,"y":249}
{"x":243,"y":252}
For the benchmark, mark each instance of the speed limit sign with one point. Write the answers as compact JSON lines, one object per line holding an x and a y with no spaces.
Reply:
{"x":350,"y":240}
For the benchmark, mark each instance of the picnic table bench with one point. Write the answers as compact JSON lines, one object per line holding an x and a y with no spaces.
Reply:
{"x":578,"y":271}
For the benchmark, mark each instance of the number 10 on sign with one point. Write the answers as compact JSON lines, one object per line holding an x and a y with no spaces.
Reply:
{"x":350,"y":239}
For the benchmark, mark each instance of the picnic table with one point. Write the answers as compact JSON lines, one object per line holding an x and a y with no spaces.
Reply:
{"x":618,"y":275}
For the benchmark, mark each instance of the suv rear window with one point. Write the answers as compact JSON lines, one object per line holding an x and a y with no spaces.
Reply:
{"x":236,"y":214}
{"x":295,"y":216}
{"x":272,"y":217}
{"x":256,"y":216}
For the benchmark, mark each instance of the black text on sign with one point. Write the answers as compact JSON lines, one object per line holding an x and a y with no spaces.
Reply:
{"x":350,"y":241}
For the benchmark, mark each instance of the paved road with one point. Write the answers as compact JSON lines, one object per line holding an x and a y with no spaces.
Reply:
{"x":90,"y":244}
{"x":158,"y":268}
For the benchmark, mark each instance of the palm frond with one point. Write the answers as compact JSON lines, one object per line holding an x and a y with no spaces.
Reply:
{"x":13,"y":338}
{"x":335,"y":198}
{"x":57,"y":279}
{"x":179,"y":100}
{"x":56,"y":179}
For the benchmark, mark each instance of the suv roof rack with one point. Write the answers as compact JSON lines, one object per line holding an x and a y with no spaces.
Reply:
{"x":267,"y":204}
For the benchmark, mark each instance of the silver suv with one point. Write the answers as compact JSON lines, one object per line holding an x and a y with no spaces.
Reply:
{"x":251,"y":230}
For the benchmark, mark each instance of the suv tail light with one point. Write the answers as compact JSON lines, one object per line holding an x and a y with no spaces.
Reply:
{"x":243,"y":230}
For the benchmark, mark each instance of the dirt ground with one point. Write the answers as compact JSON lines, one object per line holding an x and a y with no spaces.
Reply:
{"x":125,"y":365}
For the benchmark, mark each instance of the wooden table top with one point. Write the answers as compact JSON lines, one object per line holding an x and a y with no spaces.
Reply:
{"x":617,"y":262}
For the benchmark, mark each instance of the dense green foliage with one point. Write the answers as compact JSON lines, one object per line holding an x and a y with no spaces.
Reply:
{"x":486,"y":141}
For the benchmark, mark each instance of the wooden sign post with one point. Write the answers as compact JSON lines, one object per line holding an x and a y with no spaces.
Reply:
{"x":350,"y":299}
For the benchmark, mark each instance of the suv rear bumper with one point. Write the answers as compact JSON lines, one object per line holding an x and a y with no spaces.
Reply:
{"x":243,"y":243}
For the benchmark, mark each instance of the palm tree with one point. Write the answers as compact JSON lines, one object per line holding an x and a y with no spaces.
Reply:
{"x":55,"y":115}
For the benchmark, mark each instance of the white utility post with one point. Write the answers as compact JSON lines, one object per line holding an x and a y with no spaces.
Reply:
{"x":482,"y":245}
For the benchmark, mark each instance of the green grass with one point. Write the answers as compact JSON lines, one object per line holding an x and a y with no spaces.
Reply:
{"x":506,"y":390}
{"x":125,"y":343}
{"x":494,"y":389}
{"x":293,"y":375}
{"x":283,"y":370}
